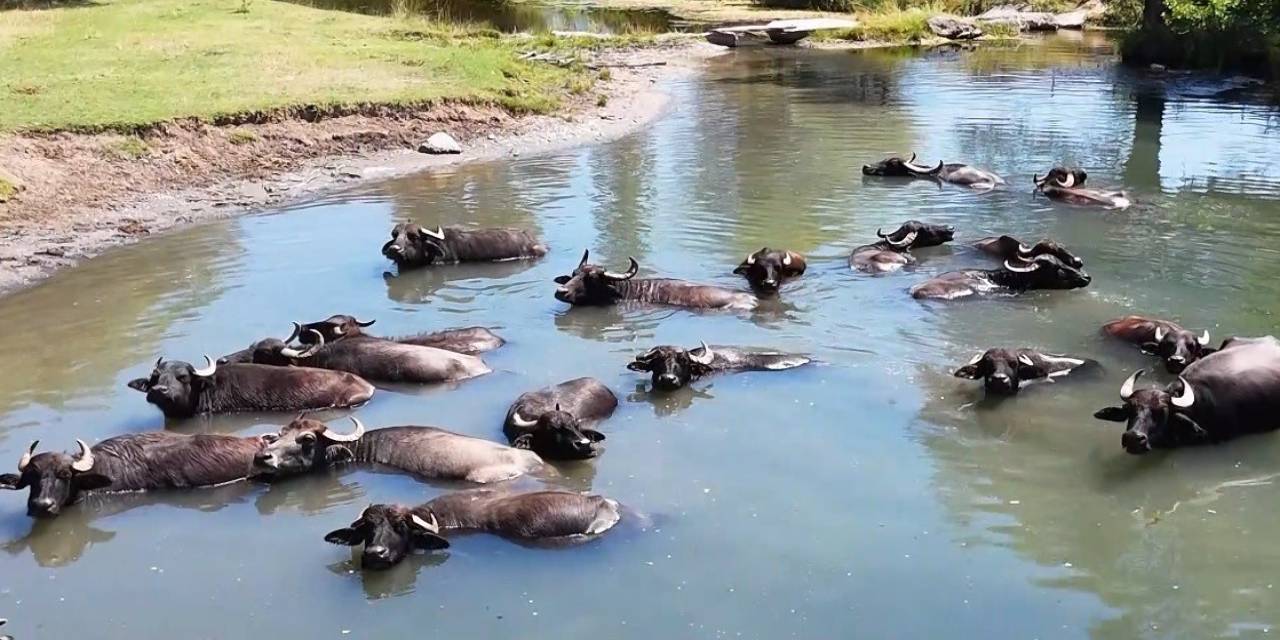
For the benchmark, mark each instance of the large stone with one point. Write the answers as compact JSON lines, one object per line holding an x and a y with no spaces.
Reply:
{"x":440,"y":143}
{"x":953,"y":28}
{"x":1019,"y":15}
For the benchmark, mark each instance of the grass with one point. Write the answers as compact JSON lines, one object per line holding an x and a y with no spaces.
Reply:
{"x":129,"y":148}
{"x":125,"y":64}
{"x":889,"y":24}
{"x":241,"y":136}
{"x":7,"y":190}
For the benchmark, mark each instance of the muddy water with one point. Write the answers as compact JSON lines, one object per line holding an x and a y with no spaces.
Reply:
{"x":873,"y":495}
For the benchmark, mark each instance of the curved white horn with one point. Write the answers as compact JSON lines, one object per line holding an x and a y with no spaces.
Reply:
{"x":1035,"y":177}
{"x":297,"y":331}
{"x":751,"y":258}
{"x":207,"y":370}
{"x":1027,"y":269}
{"x":433,"y":526}
{"x":706,"y":357}
{"x":1025,"y":359}
{"x":337,"y":330}
{"x":786,"y":259}
{"x":1204,"y":339}
{"x":1126,"y":389}
{"x":976,"y":359}
{"x":26,"y":457}
{"x":1023,"y":250}
{"x":631,"y":272}
{"x":1160,"y":333}
{"x":904,"y":242}
{"x":1188,"y":396}
{"x":520,"y":421}
{"x":1069,"y":182}
{"x":330,"y":434}
{"x":84,"y":461}
{"x":438,"y":234}
{"x":290,"y":352}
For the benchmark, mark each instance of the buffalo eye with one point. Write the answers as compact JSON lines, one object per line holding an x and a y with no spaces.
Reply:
{"x":307,"y":439}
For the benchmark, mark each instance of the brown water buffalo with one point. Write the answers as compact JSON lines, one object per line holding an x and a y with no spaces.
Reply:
{"x":593,"y":285}
{"x":552,"y":422}
{"x":1004,"y":371}
{"x":892,"y":253}
{"x":1176,"y":346}
{"x":306,"y":445}
{"x":1042,"y":272}
{"x":1067,"y":185}
{"x":1231,"y":392}
{"x":181,"y":390}
{"x":370,"y":358}
{"x":412,"y":245}
{"x":389,"y":533}
{"x":1011,"y":248}
{"x":672,"y":367}
{"x":136,"y":462}
{"x":960,"y":174}
{"x":767,"y":268}
{"x":468,"y":340}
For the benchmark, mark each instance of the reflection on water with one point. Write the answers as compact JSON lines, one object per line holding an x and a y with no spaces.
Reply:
{"x":873,"y":495}
{"x":518,"y":16}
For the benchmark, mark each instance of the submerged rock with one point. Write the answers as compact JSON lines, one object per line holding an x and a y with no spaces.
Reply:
{"x":953,"y":28}
{"x":440,"y":143}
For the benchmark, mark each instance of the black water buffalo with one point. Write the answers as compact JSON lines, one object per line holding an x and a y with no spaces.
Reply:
{"x":391,"y":532}
{"x":306,"y":445}
{"x":552,"y":421}
{"x":1004,"y":371}
{"x":767,"y":268}
{"x":891,"y":253}
{"x":1067,"y":185}
{"x":594,"y":285}
{"x":412,"y":245}
{"x":1042,"y":272}
{"x":672,"y":367}
{"x":468,"y":340}
{"x":1011,"y":248}
{"x":1231,"y":392}
{"x":1176,"y":346}
{"x":961,"y":174}
{"x":371,"y":358}
{"x":181,"y":390}
{"x":136,"y":462}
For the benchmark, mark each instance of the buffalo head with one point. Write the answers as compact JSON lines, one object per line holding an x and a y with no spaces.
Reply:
{"x":1001,"y":370}
{"x":592,"y":285}
{"x":176,"y":386}
{"x":332,"y":329}
{"x":767,"y":268}
{"x":672,"y":367}
{"x":413,"y":244}
{"x":304,"y":445}
{"x":1155,"y":418}
{"x":557,"y":435}
{"x":897,"y":167}
{"x":914,"y":233}
{"x":1177,"y":347}
{"x":389,"y":533}
{"x":1044,"y":272}
{"x":55,"y":479}
{"x":1061,"y":177}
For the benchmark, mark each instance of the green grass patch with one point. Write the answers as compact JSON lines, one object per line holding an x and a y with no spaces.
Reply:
{"x":7,"y":190}
{"x":241,"y":136}
{"x":886,"y":25}
{"x":128,"y":147}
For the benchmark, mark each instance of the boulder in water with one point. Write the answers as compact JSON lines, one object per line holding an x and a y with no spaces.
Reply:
{"x":440,"y":143}
{"x":953,"y":28}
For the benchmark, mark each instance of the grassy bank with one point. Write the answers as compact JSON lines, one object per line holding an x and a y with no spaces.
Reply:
{"x":121,"y":64}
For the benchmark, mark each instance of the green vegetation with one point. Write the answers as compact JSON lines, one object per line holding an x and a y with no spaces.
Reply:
{"x":241,"y":136}
{"x":7,"y":190}
{"x":1222,"y":34}
{"x":129,"y":148}
{"x":125,"y":64}
{"x":956,"y":7}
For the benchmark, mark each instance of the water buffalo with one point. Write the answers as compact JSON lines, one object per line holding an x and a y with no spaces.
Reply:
{"x":181,"y":390}
{"x":1042,"y":272}
{"x":371,"y":358}
{"x":1231,"y":392}
{"x":1011,"y":248}
{"x":391,"y":532}
{"x":672,"y":367}
{"x":767,"y":268}
{"x":412,"y":245}
{"x":551,"y":421}
{"x":310,"y":445}
{"x":1176,"y":346}
{"x":1004,"y":371}
{"x":961,"y":174}
{"x":891,"y":252}
{"x":136,"y":462}
{"x":1067,"y":185}
{"x":594,"y":285}
{"x":468,"y":340}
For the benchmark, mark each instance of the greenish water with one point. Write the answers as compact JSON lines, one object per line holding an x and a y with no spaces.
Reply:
{"x":873,"y":495}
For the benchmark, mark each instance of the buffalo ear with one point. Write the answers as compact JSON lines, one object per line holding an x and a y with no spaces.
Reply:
{"x":638,"y":366}
{"x":969,"y":371}
{"x":428,"y":541}
{"x":1112,"y":414}
{"x":741,"y":270}
{"x":562,"y":279}
{"x":1204,"y":351}
{"x":524,"y":441}
{"x":344,"y":536}
{"x":139,"y":384}
{"x":91,"y":481}
{"x":1150,"y":348}
{"x":11,"y":481}
{"x":593,"y":435}
{"x":336,"y":453}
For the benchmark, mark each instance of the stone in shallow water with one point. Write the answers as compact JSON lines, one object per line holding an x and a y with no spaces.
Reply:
{"x":953,"y":28}
{"x":440,"y":143}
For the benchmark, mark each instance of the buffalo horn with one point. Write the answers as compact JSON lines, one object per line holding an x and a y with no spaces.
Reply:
{"x":84,"y":461}
{"x":705,"y":358}
{"x":976,"y":359}
{"x":1025,"y":359}
{"x":438,"y":234}
{"x":366,"y":324}
{"x":159,"y":361}
{"x":433,"y":526}
{"x":1186,"y":398}
{"x":585,"y":253}
{"x":751,"y":258}
{"x":631,"y":272}
{"x":26,"y":457}
{"x":297,"y":331}
{"x":208,"y":368}
{"x":1024,"y":250}
{"x":290,"y":352}
{"x":520,"y":421}
{"x":786,"y":259}
{"x":1126,"y":389}
{"x":1068,"y":183}
{"x":904,"y":242}
{"x":1035,"y":177}
{"x":1160,"y":332}
{"x":333,"y":436}
{"x":1204,"y":339}
{"x":1027,"y":269}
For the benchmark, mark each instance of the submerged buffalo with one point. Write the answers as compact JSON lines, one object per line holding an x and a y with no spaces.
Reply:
{"x":1232,"y":392}
{"x":389,"y":533}
{"x":136,"y":462}
{"x":371,"y":358}
{"x":413,"y":245}
{"x":892,"y":253}
{"x":1004,"y":371}
{"x":1067,"y":185}
{"x":468,"y":340}
{"x":594,"y":285}
{"x":181,"y":390}
{"x":552,"y":422}
{"x":672,"y":367}
{"x":767,"y":268}
{"x":306,"y":445}
{"x":1042,"y":272}
{"x":961,"y":174}
{"x":1011,"y":248}
{"x":1176,"y":346}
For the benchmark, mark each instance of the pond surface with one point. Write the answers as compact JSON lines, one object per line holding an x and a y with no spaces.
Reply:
{"x":517,"y":17}
{"x":873,"y":495}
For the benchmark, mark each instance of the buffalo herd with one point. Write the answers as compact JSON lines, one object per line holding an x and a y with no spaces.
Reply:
{"x":1218,"y":394}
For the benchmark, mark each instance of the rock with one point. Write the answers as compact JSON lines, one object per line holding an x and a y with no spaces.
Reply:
{"x":1018,"y":15}
{"x":1158,"y":68}
{"x":953,"y":28}
{"x":440,"y":143}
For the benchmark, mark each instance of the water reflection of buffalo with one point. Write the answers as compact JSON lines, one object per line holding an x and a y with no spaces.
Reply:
{"x":135,"y":462}
{"x":1004,"y":371}
{"x":1042,"y":272}
{"x":892,"y":253}
{"x":590,"y":284}
{"x":1011,"y":248}
{"x":767,"y":268}
{"x":389,"y":533}
{"x":468,"y":340}
{"x":1232,"y":392}
{"x":1067,"y":185}
{"x":412,"y":245}
{"x":552,"y":422}
{"x":1176,"y":346}
{"x":673,"y":367}
{"x":414,"y":287}
{"x":181,"y":390}
{"x":961,"y":174}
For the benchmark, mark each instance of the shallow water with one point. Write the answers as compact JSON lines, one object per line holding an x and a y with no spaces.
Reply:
{"x":517,"y":17}
{"x":872,"y":495}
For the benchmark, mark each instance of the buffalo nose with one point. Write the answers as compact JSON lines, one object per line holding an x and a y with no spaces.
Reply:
{"x":1135,"y":442}
{"x":160,"y":388}
{"x":1002,"y":377}
{"x":265,"y":459}
{"x":770,"y":282}
{"x":1177,"y":359}
{"x":668,"y":379}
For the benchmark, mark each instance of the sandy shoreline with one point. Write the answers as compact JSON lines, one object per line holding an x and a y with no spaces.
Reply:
{"x":318,"y":157}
